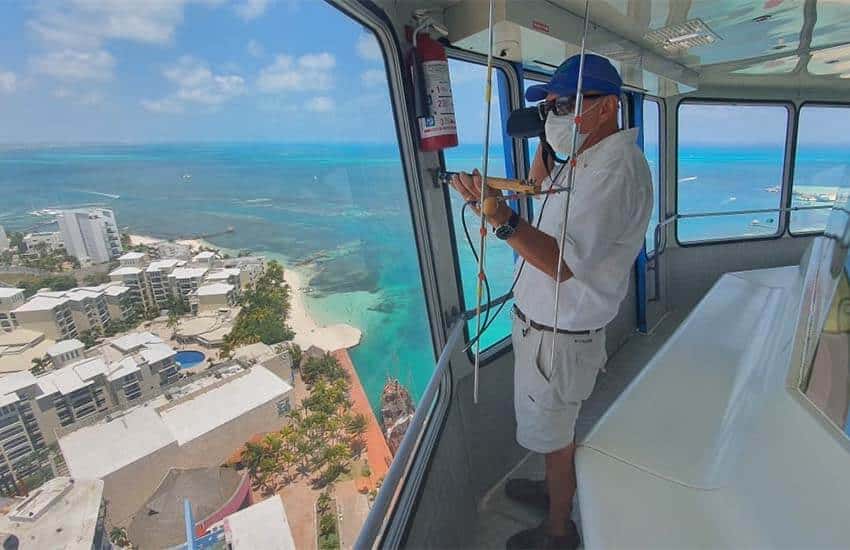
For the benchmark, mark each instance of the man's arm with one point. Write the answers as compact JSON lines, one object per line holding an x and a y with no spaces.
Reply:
{"x":536,"y":247}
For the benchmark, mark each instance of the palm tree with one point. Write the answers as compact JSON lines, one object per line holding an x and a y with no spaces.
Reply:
{"x":252,"y":456}
{"x":39,"y":365}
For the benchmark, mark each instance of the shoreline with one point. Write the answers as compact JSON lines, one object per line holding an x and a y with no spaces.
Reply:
{"x":308,"y":332}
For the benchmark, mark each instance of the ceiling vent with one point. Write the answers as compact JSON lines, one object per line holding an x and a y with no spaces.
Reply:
{"x":681,"y":37}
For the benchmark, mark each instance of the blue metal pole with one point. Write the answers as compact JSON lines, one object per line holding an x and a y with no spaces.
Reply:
{"x":636,"y":104}
{"x":190,"y":524}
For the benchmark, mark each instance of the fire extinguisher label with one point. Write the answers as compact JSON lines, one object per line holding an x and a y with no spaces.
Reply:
{"x":441,"y":119}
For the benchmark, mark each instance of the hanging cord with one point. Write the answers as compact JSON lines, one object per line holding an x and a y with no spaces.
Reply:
{"x":571,"y":176}
{"x":483,"y":228}
{"x":522,"y":264}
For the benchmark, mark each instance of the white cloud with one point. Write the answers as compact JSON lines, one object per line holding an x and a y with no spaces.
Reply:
{"x":87,"y":98}
{"x":196,"y":83}
{"x":368,"y":48}
{"x":165,"y":105}
{"x":309,"y":72}
{"x":255,"y":49}
{"x":251,"y":9}
{"x":373,"y":77}
{"x":85,"y":24}
{"x":8,"y":82}
{"x":76,"y":65}
{"x":319,"y":104}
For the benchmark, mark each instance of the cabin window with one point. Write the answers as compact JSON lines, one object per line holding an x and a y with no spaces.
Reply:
{"x":822,"y":165}
{"x":468,"y":81}
{"x":730,"y":170}
{"x":652,"y":150}
{"x":214,"y":140}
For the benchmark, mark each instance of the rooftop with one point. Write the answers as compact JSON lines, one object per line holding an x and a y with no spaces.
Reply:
{"x":64,"y":347}
{"x":223,"y":274}
{"x":98,"y":450}
{"x":188,"y":272}
{"x":115,"y":290}
{"x":8,"y":292}
{"x":205,"y":255}
{"x":40,"y":303}
{"x":13,"y":382}
{"x":19,"y":337}
{"x":214,"y":289}
{"x":131,"y":256}
{"x":62,"y":513}
{"x":262,"y":525}
{"x":157,"y":352}
{"x":125,"y":271}
{"x":18,"y":357}
{"x":219,"y":405}
{"x":134,"y":340}
{"x":164,"y":264}
{"x":122,"y":368}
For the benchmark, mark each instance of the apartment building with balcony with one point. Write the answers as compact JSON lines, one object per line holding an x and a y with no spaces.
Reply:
{"x":133,"y":259}
{"x":10,"y":298}
{"x":212,"y":296}
{"x":157,"y":279}
{"x":115,"y":375}
{"x":49,"y":315}
{"x":91,"y":234}
{"x":51,"y":239}
{"x":66,"y":352}
{"x":4,"y":239}
{"x":134,"y":279}
{"x":184,"y":281}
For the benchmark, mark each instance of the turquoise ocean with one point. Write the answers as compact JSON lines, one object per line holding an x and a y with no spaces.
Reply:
{"x":340,"y":215}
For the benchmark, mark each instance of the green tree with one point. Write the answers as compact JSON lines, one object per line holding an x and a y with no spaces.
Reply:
{"x":89,"y":337}
{"x":94,"y":279}
{"x":295,"y":354}
{"x":119,"y":537}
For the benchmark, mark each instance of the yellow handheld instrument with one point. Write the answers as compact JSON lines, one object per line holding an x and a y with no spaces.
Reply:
{"x":491,"y":204}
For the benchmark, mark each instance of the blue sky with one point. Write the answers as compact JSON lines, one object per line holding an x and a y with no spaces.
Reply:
{"x":239,"y":70}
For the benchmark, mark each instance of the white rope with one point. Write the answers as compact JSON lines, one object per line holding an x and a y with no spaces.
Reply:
{"x":570,"y":181}
{"x":488,"y":93}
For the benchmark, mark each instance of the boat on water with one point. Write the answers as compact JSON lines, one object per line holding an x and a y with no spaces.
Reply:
{"x":396,"y":412}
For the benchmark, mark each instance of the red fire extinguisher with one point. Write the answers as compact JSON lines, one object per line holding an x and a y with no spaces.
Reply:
{"x":435,"y":111}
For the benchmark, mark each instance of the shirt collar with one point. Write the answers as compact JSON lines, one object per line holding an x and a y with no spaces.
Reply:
{"x":615,"y":140}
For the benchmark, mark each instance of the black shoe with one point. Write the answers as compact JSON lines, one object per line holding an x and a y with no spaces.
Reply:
{"x":530,"y":492}
{"x":538,"y":539}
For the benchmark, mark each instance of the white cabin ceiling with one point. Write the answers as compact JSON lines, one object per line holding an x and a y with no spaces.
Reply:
{"x":777,"y":43}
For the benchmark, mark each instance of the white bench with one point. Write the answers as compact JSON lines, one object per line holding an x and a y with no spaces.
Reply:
{"x":708,"y":448}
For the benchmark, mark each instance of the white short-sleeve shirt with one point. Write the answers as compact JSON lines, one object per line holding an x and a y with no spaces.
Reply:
{"x":609,"y":213}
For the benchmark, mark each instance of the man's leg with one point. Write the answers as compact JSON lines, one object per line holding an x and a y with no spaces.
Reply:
{"x":561,"y":482}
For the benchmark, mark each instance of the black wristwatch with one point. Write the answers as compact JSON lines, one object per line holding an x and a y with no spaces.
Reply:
{"x":507,"y":230}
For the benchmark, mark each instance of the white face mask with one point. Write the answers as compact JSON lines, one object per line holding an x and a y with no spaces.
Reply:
{"x":559,"y":133}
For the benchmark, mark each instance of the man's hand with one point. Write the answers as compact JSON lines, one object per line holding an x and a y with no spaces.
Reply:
{"x":469,"y":187}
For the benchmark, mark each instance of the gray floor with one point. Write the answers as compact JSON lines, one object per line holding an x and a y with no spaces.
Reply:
{"x":498,"y":517}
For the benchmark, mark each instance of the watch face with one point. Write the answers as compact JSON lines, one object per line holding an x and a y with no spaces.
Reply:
{"x":504,"y":232}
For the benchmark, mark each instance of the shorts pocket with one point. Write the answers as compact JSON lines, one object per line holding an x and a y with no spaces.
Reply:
{"x":589,"y":357}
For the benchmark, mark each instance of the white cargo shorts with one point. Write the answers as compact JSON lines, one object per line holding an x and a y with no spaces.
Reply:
{"x":547,"y":398}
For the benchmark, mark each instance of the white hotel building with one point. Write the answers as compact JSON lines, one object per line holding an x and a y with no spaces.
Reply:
{"x":90,"y":235}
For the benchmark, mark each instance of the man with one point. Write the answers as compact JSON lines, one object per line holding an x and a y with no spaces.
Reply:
{"x":610,"y":206}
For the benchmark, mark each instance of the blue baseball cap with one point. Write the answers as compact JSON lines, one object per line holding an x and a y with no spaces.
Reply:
{"x":599,"y":76}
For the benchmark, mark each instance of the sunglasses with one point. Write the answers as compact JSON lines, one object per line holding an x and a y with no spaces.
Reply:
{"x":561,"y":105}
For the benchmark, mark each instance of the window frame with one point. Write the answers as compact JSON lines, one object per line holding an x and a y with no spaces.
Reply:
{"x":790,"y":130}
{"x":517,"y":149}
{"x":662,"y":170}
{"x":793,"y":159}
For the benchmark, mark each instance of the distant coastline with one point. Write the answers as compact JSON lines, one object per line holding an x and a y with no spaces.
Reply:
{"x":308,"y":332}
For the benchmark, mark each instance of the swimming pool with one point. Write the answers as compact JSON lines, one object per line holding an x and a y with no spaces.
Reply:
{"x":189,"y":358}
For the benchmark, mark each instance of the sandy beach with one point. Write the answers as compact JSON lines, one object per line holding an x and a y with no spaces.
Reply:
{"x":151,"y":241}
{"x":307,"y":331}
